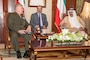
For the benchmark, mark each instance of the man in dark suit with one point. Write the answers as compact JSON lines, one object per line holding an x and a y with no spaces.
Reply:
{"x":18,"y":26}
{"x":39,"y":21}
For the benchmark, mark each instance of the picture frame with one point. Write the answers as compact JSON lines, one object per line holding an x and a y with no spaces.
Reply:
{"x":35,"y":3}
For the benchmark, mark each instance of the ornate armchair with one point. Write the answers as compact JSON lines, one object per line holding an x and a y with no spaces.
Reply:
{"x":8,"y":44}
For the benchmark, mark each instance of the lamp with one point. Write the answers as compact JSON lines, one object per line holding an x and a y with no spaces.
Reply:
{"x":86,"y":10}
{"x":85,"y":14}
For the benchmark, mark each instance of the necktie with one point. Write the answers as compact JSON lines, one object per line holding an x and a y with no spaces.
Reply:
{"x":39,"y":21}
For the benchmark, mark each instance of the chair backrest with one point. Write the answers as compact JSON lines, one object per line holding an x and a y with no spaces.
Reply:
{"x":6,"y":31}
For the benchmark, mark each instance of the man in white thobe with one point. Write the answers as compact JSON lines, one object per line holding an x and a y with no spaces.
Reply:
{"x":74,"y":23}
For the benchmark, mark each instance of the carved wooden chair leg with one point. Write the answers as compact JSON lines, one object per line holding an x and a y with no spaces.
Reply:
{"x":9,"y":50}
{"x":9,"y":47}
{"x":5,"y":46}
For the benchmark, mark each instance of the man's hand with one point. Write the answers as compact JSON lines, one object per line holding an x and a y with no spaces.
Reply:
{"x":73,"y":29}
{"x":81,"y":29}
{"x":44,"y":27}
{"x":37,"y":26}
{"x":21,"y":32}
{"x":64,"y":26}
{"x":28,"y":29}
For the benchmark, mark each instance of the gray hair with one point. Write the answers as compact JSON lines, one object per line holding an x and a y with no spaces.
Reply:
{"x":17,"y":5}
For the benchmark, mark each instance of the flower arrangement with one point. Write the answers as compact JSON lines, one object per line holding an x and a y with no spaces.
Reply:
{"x":67,"y":36}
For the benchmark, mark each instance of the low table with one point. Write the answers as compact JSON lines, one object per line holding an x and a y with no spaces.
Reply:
{"x":58,"y":48}
{"x":46,"y":49}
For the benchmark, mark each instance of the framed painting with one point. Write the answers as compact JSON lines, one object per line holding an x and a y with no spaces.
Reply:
{"x":35,"y":3}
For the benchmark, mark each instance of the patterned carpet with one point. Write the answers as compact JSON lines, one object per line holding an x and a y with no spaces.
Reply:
{"x":4,"y":52}
{"x":4,"y":55}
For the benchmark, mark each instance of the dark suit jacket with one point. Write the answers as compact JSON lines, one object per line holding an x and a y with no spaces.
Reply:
{"x":15,"y":22}
{"x":35,"y":21}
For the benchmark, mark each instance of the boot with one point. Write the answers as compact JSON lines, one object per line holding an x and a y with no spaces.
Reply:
{"x":19,"y":54}
{"x":26,"y":54}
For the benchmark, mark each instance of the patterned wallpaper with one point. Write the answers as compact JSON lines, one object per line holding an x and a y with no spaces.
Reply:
{"x":79,"y":4}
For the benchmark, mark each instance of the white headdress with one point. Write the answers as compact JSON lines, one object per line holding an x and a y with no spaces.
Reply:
{"x":73,"y":20}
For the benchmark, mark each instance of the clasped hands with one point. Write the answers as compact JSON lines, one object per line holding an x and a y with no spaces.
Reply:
{"x":37,"y":26}
{"x":28,"y":30}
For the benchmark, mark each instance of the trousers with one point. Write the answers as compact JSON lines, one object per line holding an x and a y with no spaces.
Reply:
{"x":14,"y":40}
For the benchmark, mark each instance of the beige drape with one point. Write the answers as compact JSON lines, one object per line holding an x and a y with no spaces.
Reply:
{"x":85,"y":14}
